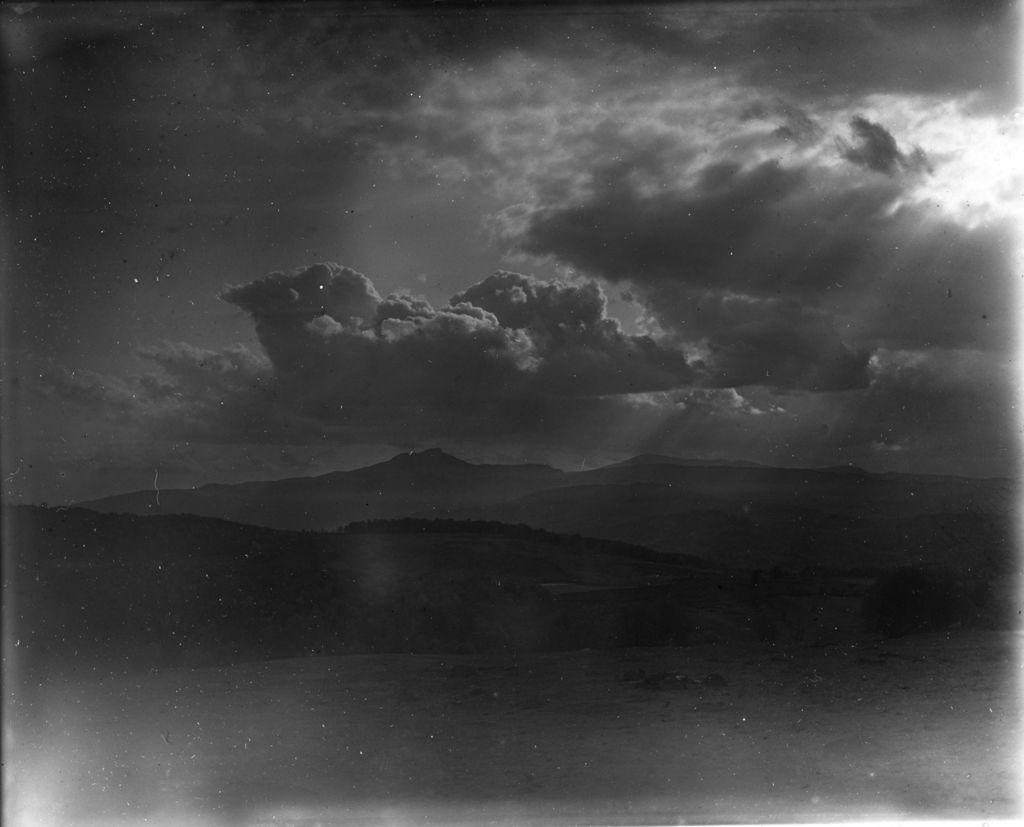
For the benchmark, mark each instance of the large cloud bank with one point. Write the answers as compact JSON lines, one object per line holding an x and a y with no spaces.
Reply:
{"x":809,"y":215}
{"x":510,"y":355}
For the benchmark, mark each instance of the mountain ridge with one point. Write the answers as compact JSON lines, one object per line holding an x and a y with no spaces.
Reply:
{"x":736,"y":511}
{"x":705,"y":462}
{"x":435,"y":458}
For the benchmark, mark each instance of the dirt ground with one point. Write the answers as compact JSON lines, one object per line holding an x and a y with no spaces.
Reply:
{"x":923,"y":726}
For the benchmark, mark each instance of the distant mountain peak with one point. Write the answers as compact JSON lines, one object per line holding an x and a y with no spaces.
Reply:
{"x":427,"y":457}
{"x":642,"y":459}
{"x":849,"y":468}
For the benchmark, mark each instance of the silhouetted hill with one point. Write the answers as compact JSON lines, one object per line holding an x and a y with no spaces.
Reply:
{"x":428,"y":482}
{"x":661,"y":459}
{"x":763,"y":531}
{"x":92,"y":590}
{"x":833,"y":490}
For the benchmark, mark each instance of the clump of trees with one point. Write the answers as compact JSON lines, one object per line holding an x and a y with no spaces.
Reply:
{"x":916,"y":599}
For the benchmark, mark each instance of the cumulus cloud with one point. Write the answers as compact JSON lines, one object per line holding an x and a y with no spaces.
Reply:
{"x":576,"y":344}
{"x":717,"y":401}
{"x":512,"y":354}
{"x":875,"y":148}
{"x":510,"y":332}
{"x":284,"y":306}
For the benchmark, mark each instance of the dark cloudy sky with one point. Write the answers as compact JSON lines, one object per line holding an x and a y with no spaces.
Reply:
{"x":250,"y":242}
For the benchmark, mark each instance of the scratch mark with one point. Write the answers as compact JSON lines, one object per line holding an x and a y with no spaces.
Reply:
{"x":15,"y":472}
{"x":156,"y":477}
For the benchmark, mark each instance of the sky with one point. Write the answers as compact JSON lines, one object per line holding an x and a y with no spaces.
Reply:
{"x":257,"y":241}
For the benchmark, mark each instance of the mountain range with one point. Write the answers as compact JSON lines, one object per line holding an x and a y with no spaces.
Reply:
{"x":736,"y":513}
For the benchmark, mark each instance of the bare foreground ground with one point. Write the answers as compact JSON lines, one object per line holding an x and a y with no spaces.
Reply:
{"x":923,"y":726}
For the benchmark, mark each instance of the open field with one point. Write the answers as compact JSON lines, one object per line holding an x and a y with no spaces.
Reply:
{"x":925,"y":725}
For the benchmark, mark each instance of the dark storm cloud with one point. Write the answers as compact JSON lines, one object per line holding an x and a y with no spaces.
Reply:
{"x":676,"y":248}
{"x":511,"y":354}
{"x":726,"y":258}
{"x":738,"y":340}
{"x":763,"y":230}
{"x":875,"y":148}
{"x":793,"y":123}
{"x":620,"y":233}
{"x":283,"y":305}
{"x":779,"y":344}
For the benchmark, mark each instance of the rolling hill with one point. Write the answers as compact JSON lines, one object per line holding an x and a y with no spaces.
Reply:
{"x":88,"y":589}
{"x":91,"y":591}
